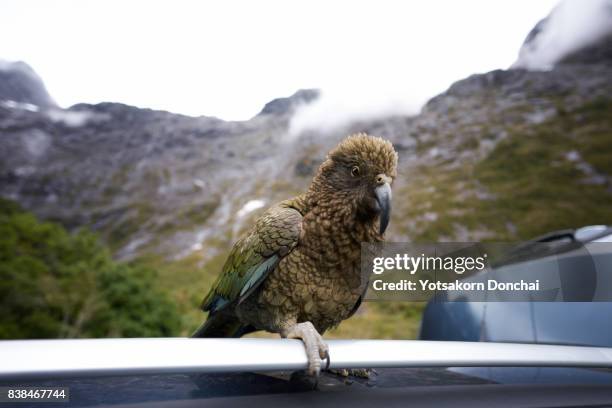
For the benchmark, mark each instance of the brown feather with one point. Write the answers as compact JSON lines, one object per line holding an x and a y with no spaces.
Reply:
{"x":320,"y":279}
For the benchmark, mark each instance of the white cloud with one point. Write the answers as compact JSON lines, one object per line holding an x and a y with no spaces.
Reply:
{"x":73,"y":118}
{"x":19,"y":105}
{"x":364,"y":99}
{"x":228,"y":58}
{"x":571,"y":25}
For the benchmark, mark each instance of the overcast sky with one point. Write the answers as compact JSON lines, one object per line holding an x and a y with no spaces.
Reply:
{"x":228,"y":58}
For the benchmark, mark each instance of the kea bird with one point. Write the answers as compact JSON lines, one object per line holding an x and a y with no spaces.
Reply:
{"x":296,"y":272}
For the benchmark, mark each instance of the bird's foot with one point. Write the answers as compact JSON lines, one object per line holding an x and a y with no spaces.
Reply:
{"x":366,"y":373}
{"x":316,"y":349}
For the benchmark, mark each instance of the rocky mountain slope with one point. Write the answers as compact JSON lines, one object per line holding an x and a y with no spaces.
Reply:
{"x":504,"y":155}
{"x":19,"y":84}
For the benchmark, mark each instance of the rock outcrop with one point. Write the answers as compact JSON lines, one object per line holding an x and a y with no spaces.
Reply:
{"x":20,"y":86}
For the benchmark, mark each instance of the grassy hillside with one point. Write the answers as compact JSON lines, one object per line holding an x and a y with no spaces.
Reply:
{"x":536,"y":179}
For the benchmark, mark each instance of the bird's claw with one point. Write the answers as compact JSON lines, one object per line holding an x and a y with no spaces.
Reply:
{"x":316,"y":349}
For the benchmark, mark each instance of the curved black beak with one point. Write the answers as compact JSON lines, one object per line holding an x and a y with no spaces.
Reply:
{"x":383,"y":198}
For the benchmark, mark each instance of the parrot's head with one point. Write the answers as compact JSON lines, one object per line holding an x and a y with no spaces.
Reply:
{"x":360,"y":171}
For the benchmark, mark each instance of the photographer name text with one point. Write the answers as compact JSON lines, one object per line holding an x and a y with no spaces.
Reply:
{"x":429,"y":285}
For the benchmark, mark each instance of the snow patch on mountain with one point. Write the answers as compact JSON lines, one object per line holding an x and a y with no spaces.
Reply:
{"x":250,"y":206}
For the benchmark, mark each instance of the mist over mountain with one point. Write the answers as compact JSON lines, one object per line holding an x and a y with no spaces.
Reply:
{"x":281,"y":106}
{"x":573,"y":26}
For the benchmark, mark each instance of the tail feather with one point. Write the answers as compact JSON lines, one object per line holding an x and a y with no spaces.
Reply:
{"x":222,"y":325}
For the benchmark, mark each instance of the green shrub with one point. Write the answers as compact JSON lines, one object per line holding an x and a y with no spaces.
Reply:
{"x":54,"y":284}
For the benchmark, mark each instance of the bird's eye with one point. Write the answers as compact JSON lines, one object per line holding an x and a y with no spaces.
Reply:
{"x":355,"y":171}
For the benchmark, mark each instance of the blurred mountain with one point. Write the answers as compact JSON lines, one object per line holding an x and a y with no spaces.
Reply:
{"x":290,"y":104}
{"x":19,"y":84}
{"x":599,"y":52}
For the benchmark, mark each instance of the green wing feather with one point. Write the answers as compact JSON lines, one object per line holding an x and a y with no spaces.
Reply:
{"x":254,"y":256}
